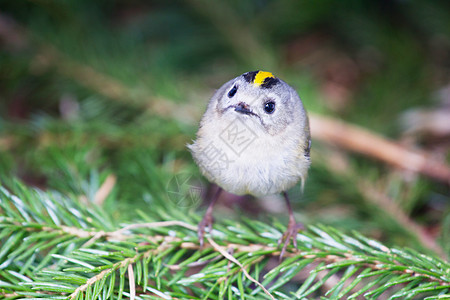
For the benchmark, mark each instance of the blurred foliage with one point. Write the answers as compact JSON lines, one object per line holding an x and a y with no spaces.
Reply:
{"x":87,"y":89}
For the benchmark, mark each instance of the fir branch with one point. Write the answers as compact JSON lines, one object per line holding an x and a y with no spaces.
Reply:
{"x":90,"y":261}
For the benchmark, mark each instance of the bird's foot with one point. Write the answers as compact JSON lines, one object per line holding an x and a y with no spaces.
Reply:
{"x":290,"y":233}
{"x":206,"y":222}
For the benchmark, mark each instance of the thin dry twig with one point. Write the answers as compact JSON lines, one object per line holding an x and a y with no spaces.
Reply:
{"x":131,"y":282}
{"x":105,"y":189}
{"x":234,"y":260}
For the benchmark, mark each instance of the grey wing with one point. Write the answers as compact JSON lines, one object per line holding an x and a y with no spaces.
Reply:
{"x":308,"y":139}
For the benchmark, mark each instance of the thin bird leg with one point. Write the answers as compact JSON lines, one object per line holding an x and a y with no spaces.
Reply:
{"x":207,"y":220}
{"x":292,"y":229}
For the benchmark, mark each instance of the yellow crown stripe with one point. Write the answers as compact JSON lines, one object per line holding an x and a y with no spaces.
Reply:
{"x":261,"y":76}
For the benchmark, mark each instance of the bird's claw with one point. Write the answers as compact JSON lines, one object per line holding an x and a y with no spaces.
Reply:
{"x":206,"y":222}
{"x":290,"y":233}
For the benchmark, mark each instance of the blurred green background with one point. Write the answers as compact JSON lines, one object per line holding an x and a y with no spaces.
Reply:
{"x":97,"y":90}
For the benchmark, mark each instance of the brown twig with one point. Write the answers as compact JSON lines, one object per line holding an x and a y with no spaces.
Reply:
{"x":360,"y":140}
{"x":105,"y":189}
{"x":131,"y":282}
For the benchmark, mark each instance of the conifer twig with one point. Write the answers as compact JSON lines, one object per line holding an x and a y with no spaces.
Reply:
{"x":102,"y":274}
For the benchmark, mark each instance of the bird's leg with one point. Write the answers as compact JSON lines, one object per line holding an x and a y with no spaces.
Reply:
{"x":292,"y":229}
{"x":207,"y":220}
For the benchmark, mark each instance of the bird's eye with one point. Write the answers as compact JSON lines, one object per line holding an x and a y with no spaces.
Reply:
{"x":232,"y":92}
{"x":269,"y":107}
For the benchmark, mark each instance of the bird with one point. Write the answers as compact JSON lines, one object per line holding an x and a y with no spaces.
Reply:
{"x":254,"y":139}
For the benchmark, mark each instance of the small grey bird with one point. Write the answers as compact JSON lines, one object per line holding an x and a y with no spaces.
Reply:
{"x":254,"y":139}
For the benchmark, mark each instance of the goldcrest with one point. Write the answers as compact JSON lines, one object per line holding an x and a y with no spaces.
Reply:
{"x":254,"y":139}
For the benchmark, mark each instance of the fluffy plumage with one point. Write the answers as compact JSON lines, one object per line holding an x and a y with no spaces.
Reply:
{"x":246,"y":150}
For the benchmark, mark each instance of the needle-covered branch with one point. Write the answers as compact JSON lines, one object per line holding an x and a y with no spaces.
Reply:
{"x":44,"y":256}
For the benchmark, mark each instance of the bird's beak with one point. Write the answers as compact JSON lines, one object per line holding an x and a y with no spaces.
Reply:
{"x":243,"y":108}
